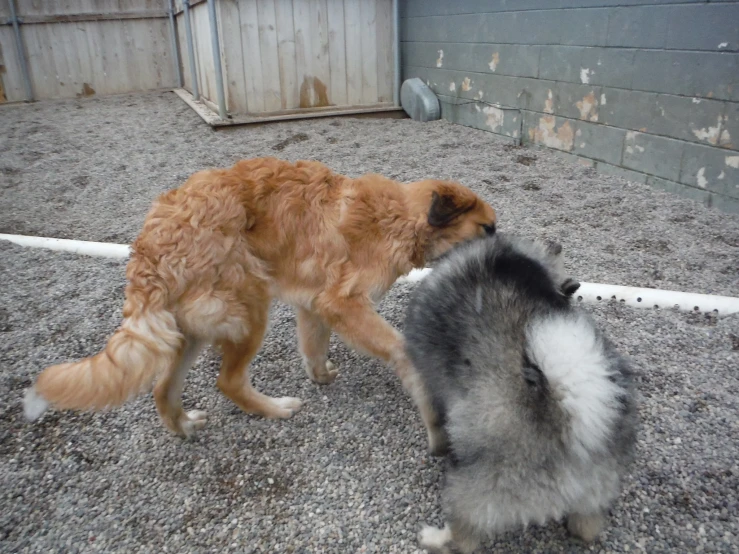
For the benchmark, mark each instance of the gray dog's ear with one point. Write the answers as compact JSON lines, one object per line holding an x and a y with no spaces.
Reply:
{"x":445,"y":208}
{"x":569,"y":287}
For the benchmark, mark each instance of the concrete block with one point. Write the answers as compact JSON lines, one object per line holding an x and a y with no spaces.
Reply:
{"x":598,"y":3}
{"x":503,"y":59}
{"x":679,"y":189}
{"x":704,"y":27}
{"x":658,"y":156}
{"x":638,"y":27}
{"x":616,"y":171}
{"x":577,"y":101}
{"x":692,"y":119}
{"x":729,"y":137}
{"x":560,"y":63}
{"x":725,"y":204}
{"x":580,"y":27}
{"x":707,"y":198}
{"x":549,"y":130}
{"x":681,"y":117}
{"x":712,"y":169}
{"x":419,"y":8}
{"x":627,"y":109}
{"x":520,"y":60}
{"x":501,"y":121}
{"x":535,"y":95}
{"x":702,"y":74}
{"x":607,"y":66}
{"x":568,"y":27}
{"x":598,"y":142}
{"x":572,"y":158}
{"x":495,"y":89}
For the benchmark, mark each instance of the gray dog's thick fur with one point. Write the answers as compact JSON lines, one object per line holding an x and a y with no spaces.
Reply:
{"x":536,"y":409}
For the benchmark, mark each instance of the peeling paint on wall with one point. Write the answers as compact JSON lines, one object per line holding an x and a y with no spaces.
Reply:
{"x":723,"y":45}
{"x":452,"y":86}
{"x":547,"y":134}
{"x":732,"y":161}
{"x":725,"y":139}
{"x":494,"y":118}
{"x":630,"y":138}
{"x":479,"y":94}
{"x":588,"y":107}
{"x":440,"y":59}
{"x":494,"y":61}
{"x":696,"y":100}
{"x":549,"y":102}
{"x":710,"y":134}
{"x":466,"y":84}
{"x":701,"y":178}
{"x":603,"y":99}
{"x":585,"y":75}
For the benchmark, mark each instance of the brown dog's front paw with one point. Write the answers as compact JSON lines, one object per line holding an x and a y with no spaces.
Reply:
{"x":323,"y":375}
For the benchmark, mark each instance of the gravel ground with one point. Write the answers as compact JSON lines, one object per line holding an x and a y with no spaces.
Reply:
{"x":89,"y":169}
{"x":350,"y":472}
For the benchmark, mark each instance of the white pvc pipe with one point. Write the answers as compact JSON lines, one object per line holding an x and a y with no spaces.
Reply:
{"x":103,"y":249}
{"x":658,"y":298}
{"x":593,"y":293}
{"x":588,"y":292}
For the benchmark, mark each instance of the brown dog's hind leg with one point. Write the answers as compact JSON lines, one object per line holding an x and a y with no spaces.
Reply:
{"x":313,"y":338}
{"x":360,"y":326}
{"x":168,"y":394}
{"x":234,"y":382}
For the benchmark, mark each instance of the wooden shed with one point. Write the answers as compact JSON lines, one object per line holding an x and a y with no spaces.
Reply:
{"x":259,"y":60}
{"x":233,"y":61}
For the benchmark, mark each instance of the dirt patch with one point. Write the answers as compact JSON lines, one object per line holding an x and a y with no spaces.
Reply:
{"x":296,"y":138}
{"x":525,"y":160}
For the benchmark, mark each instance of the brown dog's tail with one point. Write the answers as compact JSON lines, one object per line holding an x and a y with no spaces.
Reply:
{"x":146,"y":344}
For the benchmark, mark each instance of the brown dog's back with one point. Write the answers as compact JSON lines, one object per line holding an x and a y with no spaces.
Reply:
{"x":213,"y":254}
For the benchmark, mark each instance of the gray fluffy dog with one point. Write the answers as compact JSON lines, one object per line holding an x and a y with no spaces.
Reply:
{"x":535,"y":407}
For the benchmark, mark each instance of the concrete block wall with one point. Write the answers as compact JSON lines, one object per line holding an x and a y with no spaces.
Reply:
{"x":645,"y":89}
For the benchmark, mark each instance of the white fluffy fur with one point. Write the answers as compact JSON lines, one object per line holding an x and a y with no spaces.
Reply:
{"x":34,"y":405}
{"x":568,"y":352}
{"x":433,"y":538}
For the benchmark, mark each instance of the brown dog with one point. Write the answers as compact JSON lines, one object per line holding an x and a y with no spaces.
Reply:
{"x":214,"y":253}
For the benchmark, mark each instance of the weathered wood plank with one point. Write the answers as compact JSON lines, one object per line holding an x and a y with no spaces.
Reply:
{"x":204,"y":51}
{"x":321,"y":69}
{"x":385,"y":58}
{"x":269,"y":54}
{"x":303,"y":51}
{"x":353,"y":49}
{"x":229,"y":21}
{"x":78,"y":17}
{"x":289,"y":92}
{"x":27,"y":9}
{"x":252,"y":56}
{"x":337,"y":51}
{"x":369,"y":51}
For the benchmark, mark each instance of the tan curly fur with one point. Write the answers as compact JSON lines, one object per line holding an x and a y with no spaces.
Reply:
{"x":214,"y":253}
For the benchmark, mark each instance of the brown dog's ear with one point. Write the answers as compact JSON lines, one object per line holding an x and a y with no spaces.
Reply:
{"x":445,"y":208}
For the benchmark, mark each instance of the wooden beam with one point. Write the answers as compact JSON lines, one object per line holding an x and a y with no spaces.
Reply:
{"x":77,"y":17}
